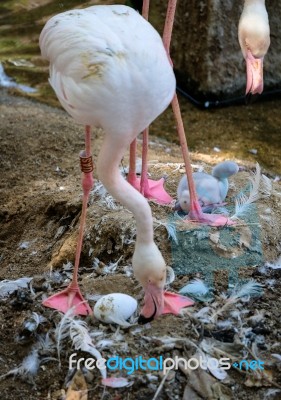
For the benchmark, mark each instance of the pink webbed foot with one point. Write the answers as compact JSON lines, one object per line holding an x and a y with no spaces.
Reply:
{"x":70,"y":297}
{"x":151,"y":190}
{"x":154,"y":190}
{"x":196,"y":215}
{"x":173,"y":303}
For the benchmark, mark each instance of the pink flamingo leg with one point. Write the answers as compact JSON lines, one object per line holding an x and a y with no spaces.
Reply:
{"x":196,"y":214}
{"x":71,"y":296}
{"x":173,"y":302}
{"x":132,"y":176}
{"x":152,"y":190}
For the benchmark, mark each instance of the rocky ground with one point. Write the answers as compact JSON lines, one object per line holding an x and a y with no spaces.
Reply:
{"x":39,"y":215}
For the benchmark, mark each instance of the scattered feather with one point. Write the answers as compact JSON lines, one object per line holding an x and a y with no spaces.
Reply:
{"x":172,"y":232}
{"x":243,"y":203}
{"x":224,"y":324}
{"x":236,"y":314}
{"x":8,"y":287}
{"x":105,"y":198}
{"x":196,"y":289}
{"x":274,"y":265}
{"x":249,"y":289}
{"x":105,"y":344}
{"x":257,"y":317}
{"x":270,"y":283}
{"x":27,"y":369}
{"x":242,"y":293}
{"x":242,"y":206}
{"x":62,"y":331}
{"x":277,"y":357}
{"x":266,"y":186}
{"x":111,"y":267}
{"x":93,"y":297}
{"x":263,"y":269}
{"x":78,"y":331}
{"x":272,"y":394}
{"x":215,"y":370}
{"x":45,"y":343}
{"x":203,"y":314}
{"x":33,"y":322}
{"x":67,"y":266}
{"x":99,"y":190}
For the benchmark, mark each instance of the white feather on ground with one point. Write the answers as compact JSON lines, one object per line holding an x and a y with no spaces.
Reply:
{"x":77,"y":331}
{"x":34,"y":321}
{"x":28,"y":368}
{"x":240,"y":292}
{"x":196,"y":288}
{"x":172,"y":232}
{"x":261,"y":186}
{"x":274,"y":265}
{"x":266,"y":186}
{"x":249,"y":289}
{"x":105,"y":198}
{"x":8,"y":287}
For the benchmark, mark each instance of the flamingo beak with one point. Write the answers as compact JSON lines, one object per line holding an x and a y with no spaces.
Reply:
{"x":254,"y":74}
{"x":157,"y":302}
{"x":153,"y":303}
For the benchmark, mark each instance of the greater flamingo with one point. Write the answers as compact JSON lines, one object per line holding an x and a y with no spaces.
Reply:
{"x":254,"y":39}
{"x":109,"y":68}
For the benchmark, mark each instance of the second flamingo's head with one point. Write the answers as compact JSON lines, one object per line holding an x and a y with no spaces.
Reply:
{"x":254,"y":39}
{"x":150,"y":270}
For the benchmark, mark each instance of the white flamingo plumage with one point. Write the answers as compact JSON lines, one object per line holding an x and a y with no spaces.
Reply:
{"x":109,"y":69}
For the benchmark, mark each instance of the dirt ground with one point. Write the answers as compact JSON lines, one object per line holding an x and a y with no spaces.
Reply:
{"x":39,"y":216}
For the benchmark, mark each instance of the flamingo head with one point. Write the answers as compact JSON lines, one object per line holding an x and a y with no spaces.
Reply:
{"x":150,"y":270}
{"x":254,"y":39}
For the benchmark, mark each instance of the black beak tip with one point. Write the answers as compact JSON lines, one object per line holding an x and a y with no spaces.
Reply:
{"x":251,"y":98}
{"x":142,"y":320}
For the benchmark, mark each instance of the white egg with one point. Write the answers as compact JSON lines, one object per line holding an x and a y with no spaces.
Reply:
{"x":115,"y":308}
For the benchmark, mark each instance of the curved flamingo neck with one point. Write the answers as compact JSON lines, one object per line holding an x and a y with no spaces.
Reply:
{"x":108,"y":171}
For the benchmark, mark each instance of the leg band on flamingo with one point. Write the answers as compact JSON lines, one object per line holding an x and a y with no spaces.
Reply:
{"x":71,"y":297}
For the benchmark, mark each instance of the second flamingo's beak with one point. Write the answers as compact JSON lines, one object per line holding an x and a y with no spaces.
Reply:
{"x":254,"y":74}
{"x":153,"y":303}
